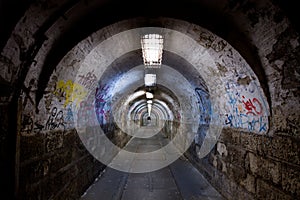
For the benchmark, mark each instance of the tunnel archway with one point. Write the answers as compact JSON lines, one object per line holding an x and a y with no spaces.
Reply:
{"x":264,"y":44}
{"x":228,"y":94}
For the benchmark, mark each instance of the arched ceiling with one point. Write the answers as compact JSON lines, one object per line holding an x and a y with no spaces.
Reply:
{"x":208,"y":42}
{"x":59,"y":20}
{"x":12,"y":10}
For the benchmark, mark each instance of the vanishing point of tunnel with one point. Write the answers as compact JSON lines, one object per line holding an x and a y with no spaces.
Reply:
{"x":154,"y":100}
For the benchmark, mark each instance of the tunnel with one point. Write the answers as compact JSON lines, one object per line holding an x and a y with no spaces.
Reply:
{"x":85,"y":116}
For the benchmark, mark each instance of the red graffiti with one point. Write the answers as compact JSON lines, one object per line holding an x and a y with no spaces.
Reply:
{"x":253,"y":107}
{"x":88,"y":80}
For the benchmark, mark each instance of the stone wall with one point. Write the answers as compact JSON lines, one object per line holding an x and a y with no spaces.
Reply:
{"x":7,"y":149}
{"x":55,"y":165}
{"x":244,"y":165}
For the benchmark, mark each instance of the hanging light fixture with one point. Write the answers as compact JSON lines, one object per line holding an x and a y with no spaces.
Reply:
{"x":149,"y":101}
{"x":149,"y":95}
{"x":150,"y":79}
{"x":149,"y":105}
{"x":152,"y":49}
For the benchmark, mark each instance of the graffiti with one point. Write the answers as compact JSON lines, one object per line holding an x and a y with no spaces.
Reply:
{"x":228,"y":120}
{"x":204,"y":105}
{"x":248,"y":113}
{"x":27,"y":124}
{"x":22,"y":47}
{"x":177,"y":115}
{"x":254,"y":107}
{"x":86,"y":114}
{"x":206,"y":39}
{"x":219,"y":46}
{"x":27,"y":91}
{"x":100,"y":93}
{"x":38,"y":127}
{"x":227,"y":58}
{"x":41,"y":169}
{"x":69,"y":118}
{"x":88,"y":79}
{"x":102,"y":104}
{"x":8,"y":69}
{"x":55,"y":120}
{"x":49,"y":93}
{"x":73,"y":63}
{"x":222,"y":69}
{"x":246,"y":121}
{"x":70,"y":92}
{"x":29,"y":127}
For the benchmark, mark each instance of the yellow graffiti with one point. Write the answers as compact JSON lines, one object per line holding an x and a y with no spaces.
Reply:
{"x":240,"y":108}
{"x":69,"y":91}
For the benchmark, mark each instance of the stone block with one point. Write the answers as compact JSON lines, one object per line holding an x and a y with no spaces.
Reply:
{"x":264,"y":145}
{"x":214,"y":161}
{"x":85,"y":164}
{"x":31,"y":146}
{"x":236,"y":174}
{"x":54,"y":140}
{"x":291,"y":179}
{"x":249,"y":141}
{"x":267,"y":191}
{"x":60,"y":179}
{"x":233,"y":189}
{"x":236,"y":156}
{"x":267,"y":169}
{"x":243,"y":194}
{"x":286,"y":148}
{"x":254,"y":163}
{"x":274,"y":170}
{"x":32,"y":191}
{"x":221,"y":149}
{"x":229,"y":136}
{"x":221,"y":165}
{"x":33,"y":172}
{"x":60,"y":160}
{"x":69,"y":139}
{"x":249,"y":183}
{"x":70,"y":191}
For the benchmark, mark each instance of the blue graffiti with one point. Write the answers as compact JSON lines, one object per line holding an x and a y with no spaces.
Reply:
{"x":204,"y":105}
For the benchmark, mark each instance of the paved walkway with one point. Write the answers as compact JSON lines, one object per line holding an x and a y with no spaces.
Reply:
{"x":178,"y":181}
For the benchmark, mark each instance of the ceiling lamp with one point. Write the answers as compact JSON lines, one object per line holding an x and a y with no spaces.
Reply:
{"x":152,"y":48}
{"x":149,"y":95}
{"x":150,"y":79}
{"x":149,"y":105}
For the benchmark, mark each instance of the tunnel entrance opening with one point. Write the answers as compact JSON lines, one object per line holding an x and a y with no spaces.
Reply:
{"x":122,"y":89}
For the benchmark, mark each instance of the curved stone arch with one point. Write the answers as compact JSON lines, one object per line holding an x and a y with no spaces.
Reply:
{"x":161,"y":105}
{"x":216,"y":69}
{"x":94,"y":40}
{"x":220,"y":73}
{"x":136,"y":111}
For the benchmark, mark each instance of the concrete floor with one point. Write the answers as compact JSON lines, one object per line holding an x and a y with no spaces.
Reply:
{"x":178,"y":181}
